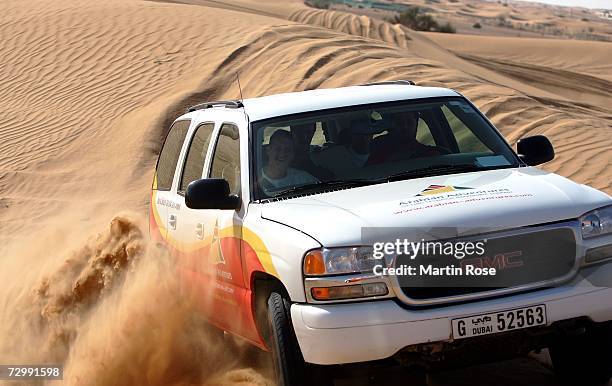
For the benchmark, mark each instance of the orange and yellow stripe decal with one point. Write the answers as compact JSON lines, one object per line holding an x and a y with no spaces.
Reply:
{"x":248,"y":236}
{"x":262,"y":252}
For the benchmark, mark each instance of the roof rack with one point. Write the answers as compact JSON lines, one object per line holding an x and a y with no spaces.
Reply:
{"x":404,"y":82}
{"x":230,"y":104}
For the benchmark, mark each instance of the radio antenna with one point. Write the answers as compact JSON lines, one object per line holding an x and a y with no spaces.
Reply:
{"x":246,"y":117}
{"x":239,"y":87}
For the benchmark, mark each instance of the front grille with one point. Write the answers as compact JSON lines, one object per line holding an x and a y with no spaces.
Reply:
{"x":521,"y":259}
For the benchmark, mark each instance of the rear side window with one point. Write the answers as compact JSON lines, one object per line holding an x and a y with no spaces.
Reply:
{"x":226,"y":161}
{"x":168,"y":158}
{"x":194,"y":163}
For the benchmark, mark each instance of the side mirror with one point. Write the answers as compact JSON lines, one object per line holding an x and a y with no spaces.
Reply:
{"x":535,"y":150}
{"x":210,"y":193}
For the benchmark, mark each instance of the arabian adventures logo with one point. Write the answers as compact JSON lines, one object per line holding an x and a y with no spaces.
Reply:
{"x":440,"y":189}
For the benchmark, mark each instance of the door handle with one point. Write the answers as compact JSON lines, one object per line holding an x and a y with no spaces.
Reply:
{"x":199,"y":231}
{"x":172,"y":221}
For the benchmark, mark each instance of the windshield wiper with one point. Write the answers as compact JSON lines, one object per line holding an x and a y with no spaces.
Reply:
{"x":326,"y":184}
{"x":434,"y":170}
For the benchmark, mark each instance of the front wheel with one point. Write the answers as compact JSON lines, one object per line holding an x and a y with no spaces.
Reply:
{"x":584,"y":359}
{"x":289,"y":366}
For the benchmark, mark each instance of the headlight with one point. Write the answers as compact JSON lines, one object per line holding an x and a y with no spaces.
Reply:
{"x":597,"y":222}
{"x":334,"y":261}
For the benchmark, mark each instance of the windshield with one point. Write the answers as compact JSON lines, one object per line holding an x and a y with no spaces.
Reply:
{"x":372,"y":144}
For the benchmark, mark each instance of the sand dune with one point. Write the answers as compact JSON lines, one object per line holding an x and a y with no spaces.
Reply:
{"x":413,"y":43}
{"x":85,"y":81}
{"x":530,"y":101}
{"x":80,"y":89}
{"x":89,"y":90}
{"x":396,"y":35}
{"x":582,"y":57}
{"x":584,"y":89}
{"x":505,"y":18}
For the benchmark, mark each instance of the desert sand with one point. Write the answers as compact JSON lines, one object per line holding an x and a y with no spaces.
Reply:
{"x":504,"y":18}
{"x":88,"y":91}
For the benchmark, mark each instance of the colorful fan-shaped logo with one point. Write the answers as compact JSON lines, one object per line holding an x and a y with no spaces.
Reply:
{"x":440,"y":189}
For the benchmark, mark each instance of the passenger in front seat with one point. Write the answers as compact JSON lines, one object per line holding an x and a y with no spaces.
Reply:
{"x":277,"y":174}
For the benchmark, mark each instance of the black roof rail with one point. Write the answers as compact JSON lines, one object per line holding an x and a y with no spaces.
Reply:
{"x":404,"y":82}
{"x":230,"y":104}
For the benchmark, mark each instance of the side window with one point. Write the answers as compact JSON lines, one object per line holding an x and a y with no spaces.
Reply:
{"x":424,"y":133}
{"x":194,"y":162}
{"x":168,"y":158}
{"x":226,"y":159}
{"x":467,"y":141}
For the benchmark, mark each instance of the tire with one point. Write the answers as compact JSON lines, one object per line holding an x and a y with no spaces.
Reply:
{"x":584,"y":359}
{"x":289,"y":366}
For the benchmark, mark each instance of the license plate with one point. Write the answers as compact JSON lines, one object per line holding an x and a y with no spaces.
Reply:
{"x":495,"y":322}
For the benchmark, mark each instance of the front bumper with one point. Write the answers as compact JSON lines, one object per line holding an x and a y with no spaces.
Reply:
{"x":367,"y":331}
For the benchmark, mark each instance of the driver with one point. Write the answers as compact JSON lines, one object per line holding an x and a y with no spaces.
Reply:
{"x":401,"y":142}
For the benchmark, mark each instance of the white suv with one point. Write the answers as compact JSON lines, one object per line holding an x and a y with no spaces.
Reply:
{"x":291,"y":218}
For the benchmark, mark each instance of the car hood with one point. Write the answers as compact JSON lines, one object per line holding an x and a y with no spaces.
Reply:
{"x":497,"y":199}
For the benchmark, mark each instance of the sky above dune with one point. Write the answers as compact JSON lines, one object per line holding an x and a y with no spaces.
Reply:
{"x":579,"y":3}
